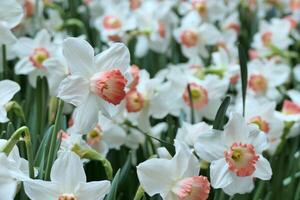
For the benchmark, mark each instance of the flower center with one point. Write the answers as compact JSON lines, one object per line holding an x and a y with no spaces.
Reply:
{"x":67,"y":197}
{"x":200,"y":6}
{"x":241,"y":159}
{"x":134,"y":101}
{"x":262,"y":124}
{"x":193,"y":188}
{"x":189,"y":38}
{"x":38,"y":56}
{"x":258,"y":83}
{"x":266,"y":38}
{"x":94,"y":136}
{"x":199,"y":96}
{"x":111,"y":22}
{"x":290,"y":108}
{"x":109,"y":85}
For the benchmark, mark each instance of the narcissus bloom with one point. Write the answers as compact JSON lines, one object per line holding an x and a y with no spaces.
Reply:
{"x":68,"y":181}
{"x":33,"y":53}
{"x":11,"y":15}
{"x":176,"y":178}
{"x":261,"y":112}
{"x":94,"y":83}
{"x":13,"y":170}
{"x":7,"y":90}
{"x":235,"y":155}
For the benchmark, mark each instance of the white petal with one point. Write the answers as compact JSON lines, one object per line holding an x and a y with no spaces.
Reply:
{"x":8,"y":188}
{"x":184,"y":162}
{"x":68,"y":171}
{"x":24,"y":66}
{"x":210,"y":146}
{"x":80,"y":57}
{"x":6,"y":36}
{"x":115,"y":137}
{"x":294,"y":95}
{"x":38,"y":189}
{"x":115,"y":57}
{"x":141,"y":47}
{"x":236,"y":129}
{"x":93,"y":190}
{"x":155,"y":175}
{"x":85,"y":117}
{"x":8,"y":89}
{"x":74,"y":90}
{"x":220,"y":175}
{"x":3,"y":115}
{"x":11,"y":12}
{"x":263,"y":169}
{"x":42,"y":39}
{"x":240,"y":185}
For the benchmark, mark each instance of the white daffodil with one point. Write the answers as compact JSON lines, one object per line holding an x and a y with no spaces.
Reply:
{"x":11,"y":15}
{"x":95,"y":82}
{"x":115,"y":22}
{"x":265,"y":76}
{"x":194,"y":36}
{"x":33,"y":53}
{"x":155,"y":26}
{"x":13,"y":170}
{"x":273,"y":34}
{"x":206,"y":93}
{"x":235,"y":155}
{"x":147,"y":99}
{"x":262,"y":113}
{"x":176,"y":178}
{"x":8,"y":89}
{"x":68,"y":181}
{"x":204,"y":10}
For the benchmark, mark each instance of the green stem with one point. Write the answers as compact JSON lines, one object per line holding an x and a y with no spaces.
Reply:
{"x":4,"y":62}
{"x":53,"y":140}
{"x":287,"y":127}
{"x":139,"y":193}
{"x":91,"y":154}
{"x":14,"y":139}
{"x":192,"y":104}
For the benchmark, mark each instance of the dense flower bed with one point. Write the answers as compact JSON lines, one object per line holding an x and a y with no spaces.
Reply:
{"x":149,"y":99}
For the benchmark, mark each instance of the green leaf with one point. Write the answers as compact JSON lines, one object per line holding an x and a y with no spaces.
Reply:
{"x":244,"y":73}
{"x":119,"y":179}
{"x":220,"y":116}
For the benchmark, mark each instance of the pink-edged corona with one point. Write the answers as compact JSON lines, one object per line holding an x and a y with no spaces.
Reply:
{"x":67,"y":197}
{"x":109,"y":85}
{"x":266,"y":38}
{"x":189,"y":38}
{"x":262,"y":124}
{"x":241,"y":159}
{"x":38,"y":56}
{"x":199,"y":96}
{"x":134,"y":71}
{"x":290,"y":107}
{"x":111,"y":22}
{"x":258,"y":83}
{"x":193,"y":188}
{"x":94,"y":136}
{"x":134,"y":101}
